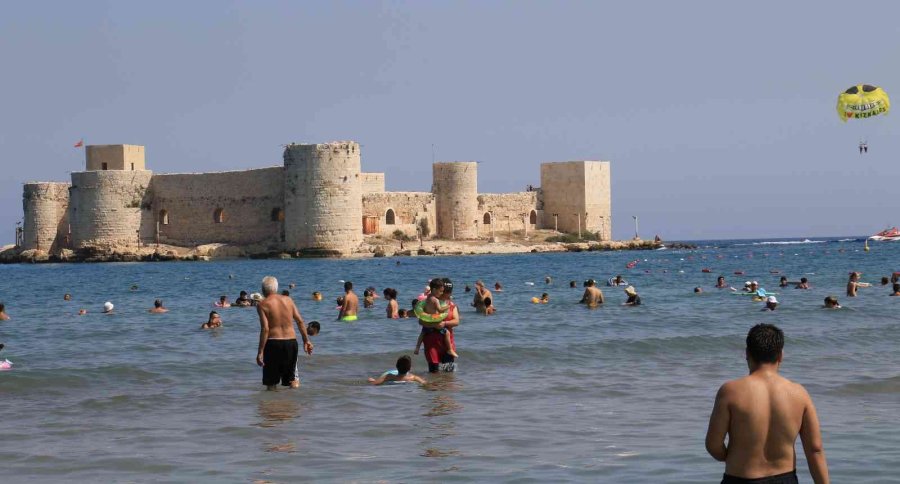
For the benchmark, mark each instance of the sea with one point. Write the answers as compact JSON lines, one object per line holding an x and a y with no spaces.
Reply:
{"x":542,"y":393}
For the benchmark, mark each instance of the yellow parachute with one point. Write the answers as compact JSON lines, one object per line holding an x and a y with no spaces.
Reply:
{"x":862,"y":101}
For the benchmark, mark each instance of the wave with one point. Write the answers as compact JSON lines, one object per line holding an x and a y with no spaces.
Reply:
{"x":786,"y":242}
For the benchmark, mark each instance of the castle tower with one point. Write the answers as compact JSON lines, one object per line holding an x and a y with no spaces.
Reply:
{"x":106,"y":202}
{"x":456,"y":199}
{"x":323,"y":197}
{"x":578,"y":193}
{"x":46,"y":218}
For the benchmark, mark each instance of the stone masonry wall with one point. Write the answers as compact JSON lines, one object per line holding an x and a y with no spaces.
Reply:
{"x":455,"y":186}
{"x":372,"y":182}
{"x":187,"y":206}
{"x":518,"y":206}
{"x":46,"y":207}
{"x":408,"y":207}
{"x":105,"y":207}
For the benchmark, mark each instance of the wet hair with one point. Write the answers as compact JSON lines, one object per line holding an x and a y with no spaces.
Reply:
{"x":589,"y":283}
{"x":348,"y":285}
{"x":285,"y":292}
{"x":404,"y":364}
{"x":401,"y":313}
{"x":572,"y":283}
{"x":212,"y":313}
{"x":340,"y":300}
{"x":435,"y":283}
{"x":223,"y":297}
{"x":414,"y":303}
{"x":390,"y":293}
{"x":448,"y":285}
{"x":313,"y":328}
{"x":157,"y":303}
{"x":804,"y":280}
{"x":698,"y":289}
{"x":2,"y":307}
{"x":468,"y":289}
{"x":765,"y":343}
{"x":487,"y":302}
{"x":885,"y":281}
{"x":243,"y":293}
{"x":896,"y":288}
{"x":367,"y":293}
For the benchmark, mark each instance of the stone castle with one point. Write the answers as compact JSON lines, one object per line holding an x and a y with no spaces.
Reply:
{"x":318,"y":202}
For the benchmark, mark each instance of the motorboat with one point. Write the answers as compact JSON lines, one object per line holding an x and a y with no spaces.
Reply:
{"x":890,"y":234}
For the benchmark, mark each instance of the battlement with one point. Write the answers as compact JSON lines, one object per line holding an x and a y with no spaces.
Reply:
{"x":114,"y":157}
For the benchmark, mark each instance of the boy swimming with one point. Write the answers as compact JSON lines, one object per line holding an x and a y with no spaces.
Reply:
{"x":400,"y":375}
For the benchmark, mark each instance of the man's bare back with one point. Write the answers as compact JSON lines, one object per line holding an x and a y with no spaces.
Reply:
{"x":351,"y":305}
{"x":279,"y":312}
{"x":592,"y":297}
{"x":762,"y":415}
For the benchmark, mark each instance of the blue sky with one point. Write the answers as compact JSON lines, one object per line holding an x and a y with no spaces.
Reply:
{"x":718,"y":117}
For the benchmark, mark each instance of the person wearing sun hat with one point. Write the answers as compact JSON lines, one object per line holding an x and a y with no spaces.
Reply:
{"x":771,"y":304}
{"x":633,"y":298}
{"x":108,"y":307}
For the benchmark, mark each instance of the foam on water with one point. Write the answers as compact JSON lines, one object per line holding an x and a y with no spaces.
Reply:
{"x":548,"y":392}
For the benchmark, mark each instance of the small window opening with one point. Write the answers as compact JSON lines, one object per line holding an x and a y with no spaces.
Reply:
{"x":389,"y":217}
{"x":219,"y":216}
{"x":164,"y":217}
{"x":277,"y":215}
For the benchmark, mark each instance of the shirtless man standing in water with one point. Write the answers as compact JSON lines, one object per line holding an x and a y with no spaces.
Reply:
{"x":762,"y":414}
{"x":277,"y":353}
{"x":593,"y":296}
{"x":350,"y":306}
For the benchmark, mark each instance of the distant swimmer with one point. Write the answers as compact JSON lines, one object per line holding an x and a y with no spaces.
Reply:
{"x":803,"y":284}
{"x":698,"y":290}
{"x":633,"y":298}
{"x":214,"y":321}
{"x":762,"y":414}
{"x":243,"y":300}
{"x":393,"y":307}
{"x":573,"y":284}
{"x":896,"y":289}
{"x":548,"y":280}
{"x":593,"y":296}
{"x":278,"y":349}
{"x":783,"y":282}
{"x":617,"y":281}
{"x":831,"y":302}
{"x":771,"y":304}
{"x":350,"y":304}
{"x":316,"y":296}
{"x":481,"y":294}
{"x":3,"y":315}
{"x":82,"y":312}
{"x":313,"y":328}
{"x":158,"y":307}
{"x":67,"y":297}
{"x":401,"y":375}
{"x":498,"y":287}
{"x":467,"y":288}
{"x":721,"y":284}
{"x":885,"y":281}
{"x":368,"y":299}
{"x":223,"y":302}
{"x":853,"y":284}
{"x":285,"y":292}
{"x":108,"y":307}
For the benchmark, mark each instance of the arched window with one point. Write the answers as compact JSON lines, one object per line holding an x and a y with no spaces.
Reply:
{"x":164,"y":217}
{"x":277,"y":214}
{"x":487,"y":218}
{"x":389,"y":217}
{"x":219,"y":216}
{"x":532,"y":219}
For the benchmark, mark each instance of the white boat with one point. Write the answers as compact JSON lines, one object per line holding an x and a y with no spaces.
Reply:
{"x":890,"y":234}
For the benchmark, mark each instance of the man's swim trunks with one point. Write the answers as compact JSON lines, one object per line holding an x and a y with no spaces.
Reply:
{"x":349,"y":318}
{"x":786,"y":478}
{"x":280,"y":361}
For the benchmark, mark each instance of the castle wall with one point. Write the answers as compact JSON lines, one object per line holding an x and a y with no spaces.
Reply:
{"x":46,"y":221}
{"x":408,"y":208}
{"x":579,"y":192}
{"x":323,"y":196}
{"x":105,"y":207}
{"x":517,"y":206}
{"x":455,"y":186}
{"x":372,"y":182}
{"x":237,"y":207}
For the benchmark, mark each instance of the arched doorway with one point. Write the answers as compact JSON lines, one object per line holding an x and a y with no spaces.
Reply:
{"x":487,"y":218}
{"x":219,"y":216}
{"x":532,"y":219}
{"x":389,"y":217}
{"x":164,"y":217}
{"x":277,"y":214}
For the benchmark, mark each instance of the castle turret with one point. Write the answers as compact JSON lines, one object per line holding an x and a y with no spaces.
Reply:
{"x":455,"y":191}
{"x":105,"y":203}
{"x":46,"y":220}
{"x":323,"y":197}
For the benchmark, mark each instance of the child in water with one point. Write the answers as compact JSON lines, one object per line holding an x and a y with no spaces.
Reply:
{"x":401,"y":375}
{"x":433,"y":308}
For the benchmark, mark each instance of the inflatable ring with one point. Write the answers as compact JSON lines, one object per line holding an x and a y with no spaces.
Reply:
{"x":420,"y":313}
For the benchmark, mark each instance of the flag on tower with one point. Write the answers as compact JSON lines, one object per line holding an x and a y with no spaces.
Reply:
{"x":80,"y":143}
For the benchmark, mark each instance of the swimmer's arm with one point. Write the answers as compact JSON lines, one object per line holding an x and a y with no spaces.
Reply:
{"x":419,"y":379}
{"x":584,"y":297}
{"x":377,"y":381}
{"x":344,"y":307}
{"x":307,"y":344}
{"x":811,"y":437}
{"x":263,"y":334}
{"x":600,"y":299}
{"x":718,"y":426}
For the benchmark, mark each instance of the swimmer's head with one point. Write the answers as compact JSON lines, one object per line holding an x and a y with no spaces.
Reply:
{"x":404,"y":364}
{"x":488,"y":302}
{"x":2,"y":307}
{"x":436,"y":285}
{"x":804,"y":280}
{"x":157,"y":303}
{"x":269,"y":286}
{"x":390,"y":293}
{"x":82,"y":312}
{"x":313,"y":328}
{"x":896,"y":287}
{"x":285,"y":292}
{"x":67,"y":297}
{"x":348,"y":286}
{"x":401,"y":313}
{"x":340,"y":300}
{"x":572,"y":283}
{"x":467,"y":289}
{"x":765,"y":343}
{"x":885,"y":281}
{"x":243,"y":294}
{"x":698,"y":290}
{"x":317,"y":296}
{"x":213,"y":315}
{"x":589,"y":283}
{"x":108,"y":307}
{"x":448,"y":285}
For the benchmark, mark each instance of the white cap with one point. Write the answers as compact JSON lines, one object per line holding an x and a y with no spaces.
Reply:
{"x":108,"y":306}
{"x":747,"y":283}
{"x":771,"y":299}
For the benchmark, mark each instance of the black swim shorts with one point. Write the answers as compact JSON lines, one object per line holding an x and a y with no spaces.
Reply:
{"x":280,"y":361}
{"x":786,"y":478}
